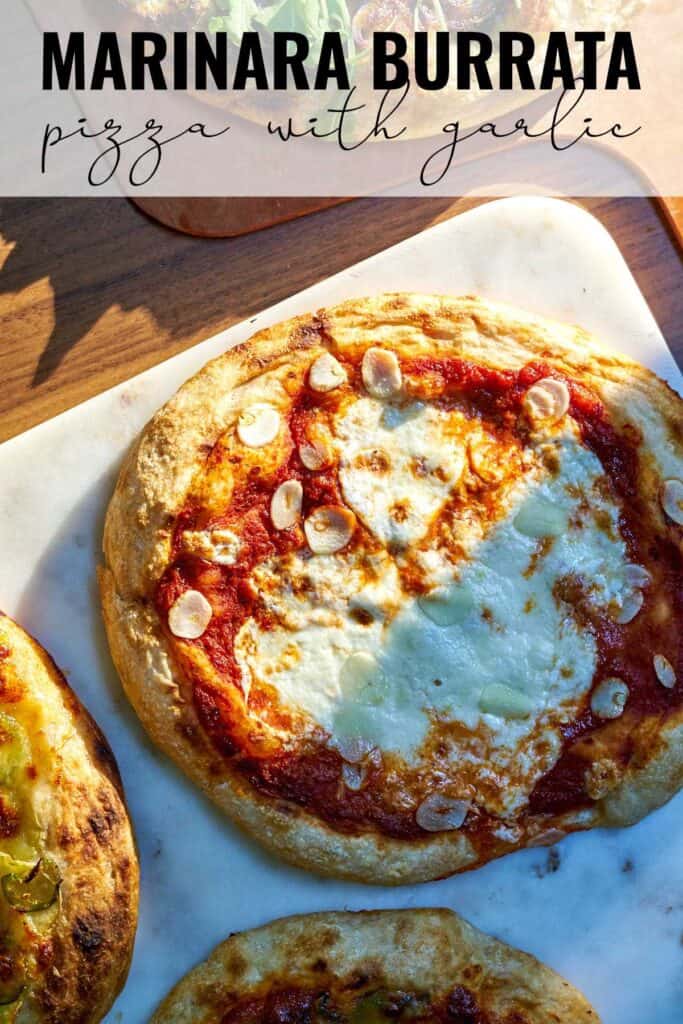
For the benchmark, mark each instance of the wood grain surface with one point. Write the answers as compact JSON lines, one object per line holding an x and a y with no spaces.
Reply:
{"x":92,"y":291}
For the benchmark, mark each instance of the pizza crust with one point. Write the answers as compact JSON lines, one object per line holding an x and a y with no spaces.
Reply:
{"x":81,"y":805}
{"x":157,"y":474}
{"x":411,"y":950}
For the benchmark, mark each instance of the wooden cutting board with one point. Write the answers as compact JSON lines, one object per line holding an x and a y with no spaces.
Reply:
{"x":673,"y":208}
{"x":92,"y":292}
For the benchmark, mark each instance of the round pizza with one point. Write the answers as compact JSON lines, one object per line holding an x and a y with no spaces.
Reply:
{"x":370,"y":967}
{"x":68,"y":867}
{"x":399,"y":585}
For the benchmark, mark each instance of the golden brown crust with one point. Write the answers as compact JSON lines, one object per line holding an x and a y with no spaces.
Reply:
{"x":432,"y":951}
{"x":85,"y":954}
{"x":158,"y":472}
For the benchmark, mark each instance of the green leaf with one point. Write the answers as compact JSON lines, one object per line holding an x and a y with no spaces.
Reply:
{"x":236,"y":18}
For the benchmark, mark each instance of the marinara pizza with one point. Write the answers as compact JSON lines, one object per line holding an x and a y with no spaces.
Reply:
{"x":399,"y":585}
{"x":369,"y":967}
{"x":68,"y":867}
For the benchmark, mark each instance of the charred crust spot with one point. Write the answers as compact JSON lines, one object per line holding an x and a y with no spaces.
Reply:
{"x":45,"y":954}
{"x":311,"y":333}
{"x":88,"y":935}
{"x":105,"y":820}
{"x":9,"y":819}
{"x":462,"y":1008}
{"x":65,"y":837}
{"x":236,"y":965}
{"x":319,"y":966}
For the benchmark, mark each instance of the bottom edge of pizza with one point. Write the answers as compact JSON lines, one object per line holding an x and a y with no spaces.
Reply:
{"x":368,"y":967}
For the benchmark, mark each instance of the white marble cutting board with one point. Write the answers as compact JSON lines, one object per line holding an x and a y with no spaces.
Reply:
{"x":605,"y":909}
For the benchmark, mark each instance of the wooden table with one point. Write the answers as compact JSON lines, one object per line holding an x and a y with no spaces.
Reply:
{"x":92,"y":292}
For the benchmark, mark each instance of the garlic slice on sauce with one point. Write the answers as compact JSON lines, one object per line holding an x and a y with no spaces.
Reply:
{"x":258,"y":425}
{"x":664,"y":671}
{"x":547,"y":401}
{"x":636,"y":576}
{"x":629,"y":608}
{"x":352,"y":749}
{"x":329,"y":529}
{"x":353,"y":776}
{"x":440,"y":813}
{"x":312,"y":455}
{"x":672,"y":500}
{"x":505,"y":702}
{"x":190,"y":616}
{"x":326,"y":373}
{"x":609,"y":698}
{"x":285,"y":505}
{"x":381,"y":373}
{"x":547,"y":838}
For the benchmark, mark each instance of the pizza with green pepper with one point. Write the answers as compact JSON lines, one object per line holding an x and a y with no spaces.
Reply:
{"x":68,"y":867}
{"x":403,"y":966}
{"x":399,"y":584}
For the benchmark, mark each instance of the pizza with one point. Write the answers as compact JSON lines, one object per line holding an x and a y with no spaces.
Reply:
{"x":68,"y":867}
{"x":398,"y":584}
{"x":369,"y":967}
{"x":424,"y":111}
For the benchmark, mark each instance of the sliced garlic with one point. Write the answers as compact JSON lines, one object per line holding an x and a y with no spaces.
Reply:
{"x":664,"y":671}
{"x":672,"y":500}
{"x":258,"y":425}
{"x":285,"y":505}
{"x":629,"y":608}
{"x":501,"y":700}
{"x":446,"y":606}
{"x":352,"y":749}
{"x":439,"y":813}
{"x":313,"y":455}
{"x":609,"y":698}
{"x":329,"y":529}
{"x":636,"y":576}
{"x":547,"y":838}
{"x":381,"y":373}
{"x":190,"y":615}
{"x":353,"y":776}
{"x":326,"y":373}
{"x":547,"y":401}
{"x":361,"y":678}
{"x":538,"y":518}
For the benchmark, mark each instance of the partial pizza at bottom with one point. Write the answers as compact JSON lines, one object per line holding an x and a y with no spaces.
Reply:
{"x":68,"y":867}
{"x":400,"y":585}
{"x":370,"y":967}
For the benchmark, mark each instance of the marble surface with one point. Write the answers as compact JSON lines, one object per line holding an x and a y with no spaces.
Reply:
{"x":605,"y":908}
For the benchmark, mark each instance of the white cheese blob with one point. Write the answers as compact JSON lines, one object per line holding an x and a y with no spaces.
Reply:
{"x":398,"y":466}
{"x":493,"y":647}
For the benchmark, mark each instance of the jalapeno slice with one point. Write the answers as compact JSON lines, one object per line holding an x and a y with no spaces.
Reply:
{"x":33,"y":892}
